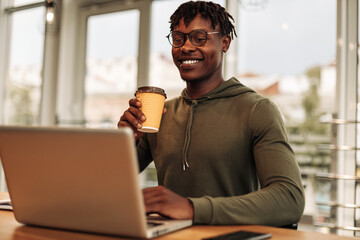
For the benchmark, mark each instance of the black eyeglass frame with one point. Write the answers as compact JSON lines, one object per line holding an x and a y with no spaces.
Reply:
{"x":188,"y":35}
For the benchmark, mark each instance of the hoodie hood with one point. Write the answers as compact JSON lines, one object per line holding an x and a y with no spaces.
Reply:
{"x":229,"y":88}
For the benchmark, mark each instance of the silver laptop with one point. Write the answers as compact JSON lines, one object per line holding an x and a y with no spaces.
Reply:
{"x":78,"y":179}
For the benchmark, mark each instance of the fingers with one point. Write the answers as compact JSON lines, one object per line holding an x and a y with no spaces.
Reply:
{"x":167,"y":203}
{"x":135,"y":102}
{"x":134,"y":109}
{"x":155,"y":200}
{"x":126,"y":124}
{"x":154,"y":195}
{"x":133,"y":117}
{"x":150,"y":195}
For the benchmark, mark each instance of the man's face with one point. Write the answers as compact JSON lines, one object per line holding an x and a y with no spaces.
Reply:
{"x":198,"y":63}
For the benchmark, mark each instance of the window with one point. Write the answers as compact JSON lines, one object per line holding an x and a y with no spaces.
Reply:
{"x":23,"y":91}
{"x":102,"y":64}
{"x":22,"y":48}
{"x":287,"y":52}
{"x":111,"y":65}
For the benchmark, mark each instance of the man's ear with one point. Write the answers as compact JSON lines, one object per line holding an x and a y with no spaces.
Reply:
{"x":225,"y":42}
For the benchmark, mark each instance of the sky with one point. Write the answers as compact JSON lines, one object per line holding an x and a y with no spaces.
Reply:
{"x":288,"y":36}
{"x":27,"y":36}
{"x":285,"y":37}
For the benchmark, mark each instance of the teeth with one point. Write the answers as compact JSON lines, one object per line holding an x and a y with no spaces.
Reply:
{"x":190,"y":61}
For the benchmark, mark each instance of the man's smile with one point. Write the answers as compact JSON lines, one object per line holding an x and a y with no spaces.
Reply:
{"x":189,"y":61}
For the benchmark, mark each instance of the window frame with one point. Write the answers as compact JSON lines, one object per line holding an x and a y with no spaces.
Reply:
{"x":71,"y":91}
{"x":5,"y":32}
{"x":49,"y":61}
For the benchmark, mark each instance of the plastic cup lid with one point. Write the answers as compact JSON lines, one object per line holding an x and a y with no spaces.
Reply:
{"x":150,"y":89}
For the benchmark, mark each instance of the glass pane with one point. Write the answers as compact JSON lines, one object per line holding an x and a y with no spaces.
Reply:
{"x":23,"y":93}
{"x":163,"y":72}
{"x":287,"y":52}
{"x":111,"y":65}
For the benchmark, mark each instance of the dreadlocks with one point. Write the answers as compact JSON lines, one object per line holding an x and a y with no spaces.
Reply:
{"x":208,"y":10}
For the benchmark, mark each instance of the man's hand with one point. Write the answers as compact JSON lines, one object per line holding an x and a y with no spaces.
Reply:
{"x":167,"y":203}
{"x":133,"y":117}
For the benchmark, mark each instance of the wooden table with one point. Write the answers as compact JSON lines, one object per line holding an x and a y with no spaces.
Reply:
{"x":12,"y":230}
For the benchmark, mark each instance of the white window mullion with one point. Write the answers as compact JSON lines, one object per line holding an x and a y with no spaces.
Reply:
{"x":5,"y":33}
{"x":347,"y":106}
{"x":50,"y":67}
{"x":144,"y":44}
{"x":68,"y":110}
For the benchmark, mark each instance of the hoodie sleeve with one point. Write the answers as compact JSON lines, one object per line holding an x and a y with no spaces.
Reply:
{"x":143,"y":152}
{"x":280,"y":201}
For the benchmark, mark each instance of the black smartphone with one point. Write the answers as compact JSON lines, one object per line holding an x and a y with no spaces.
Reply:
{"x":241,"y":235}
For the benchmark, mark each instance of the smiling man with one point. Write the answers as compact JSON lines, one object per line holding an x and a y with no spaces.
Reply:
{"x":221,"y":154}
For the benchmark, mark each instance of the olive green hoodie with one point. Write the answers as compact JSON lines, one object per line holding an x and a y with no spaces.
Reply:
{"x":228,"y":153}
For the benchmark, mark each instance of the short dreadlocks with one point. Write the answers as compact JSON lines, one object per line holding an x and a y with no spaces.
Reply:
{"x":208,"y":10}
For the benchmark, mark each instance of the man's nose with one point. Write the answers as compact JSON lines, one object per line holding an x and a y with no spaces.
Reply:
{"x":188,"y":46}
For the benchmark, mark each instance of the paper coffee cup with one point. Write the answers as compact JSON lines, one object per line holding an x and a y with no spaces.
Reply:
{"x":152,"y":100}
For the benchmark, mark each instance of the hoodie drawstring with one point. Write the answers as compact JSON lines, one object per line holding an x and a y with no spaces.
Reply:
{"x":188,"y":136}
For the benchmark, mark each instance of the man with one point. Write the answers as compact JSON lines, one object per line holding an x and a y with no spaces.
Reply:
{"x":219,"y":140}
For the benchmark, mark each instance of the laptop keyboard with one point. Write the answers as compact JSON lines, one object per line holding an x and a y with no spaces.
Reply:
{"x":153,"y":224}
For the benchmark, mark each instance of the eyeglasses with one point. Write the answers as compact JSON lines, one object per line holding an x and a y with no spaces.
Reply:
{"x":197,"y":37}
